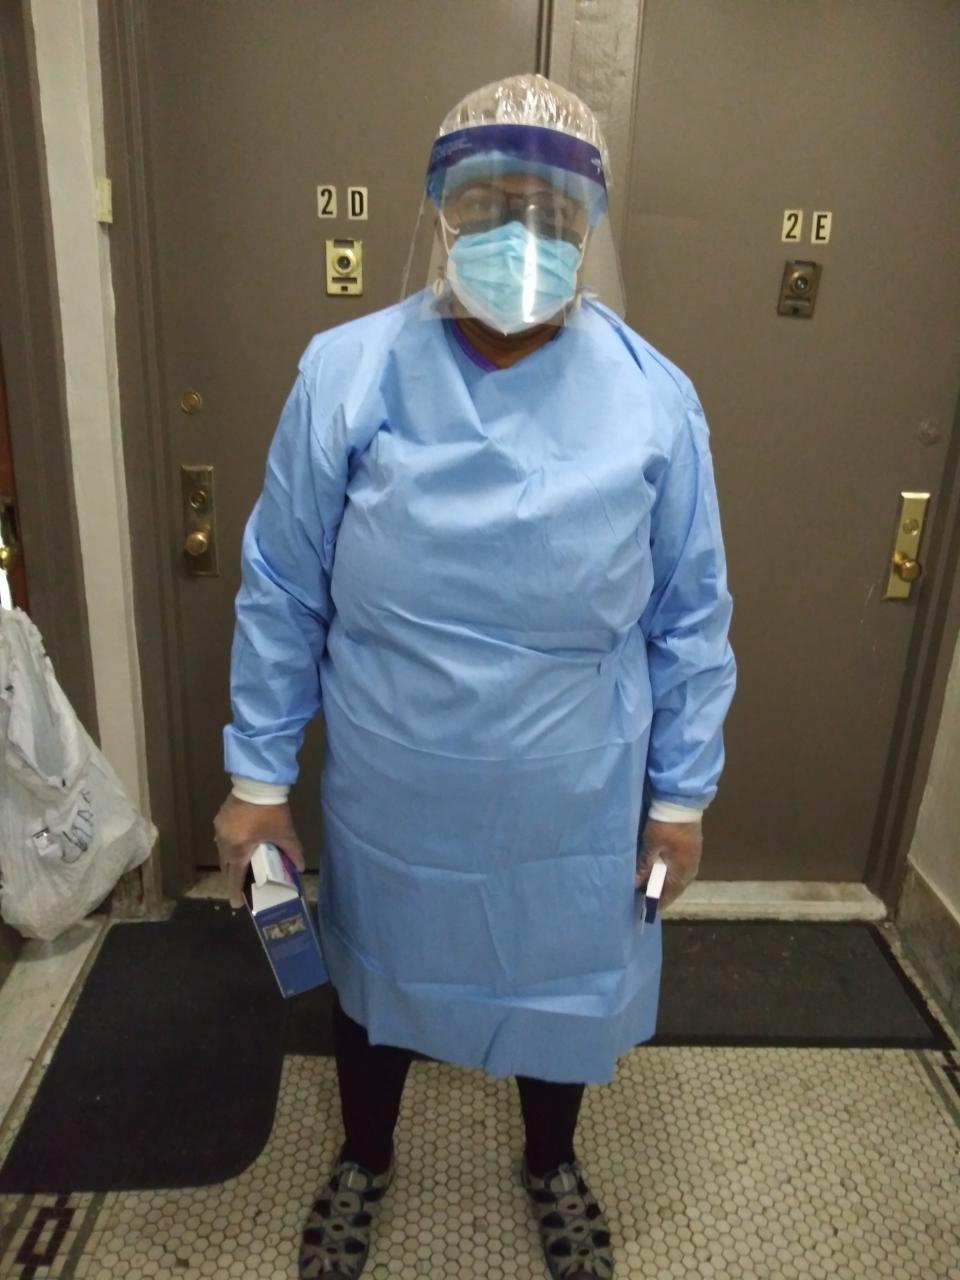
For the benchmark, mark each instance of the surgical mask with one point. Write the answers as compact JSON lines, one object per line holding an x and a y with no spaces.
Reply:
{"x":511,"y":278}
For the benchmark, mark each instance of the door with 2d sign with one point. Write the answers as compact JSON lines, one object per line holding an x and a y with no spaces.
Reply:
{"x":274,"y":128}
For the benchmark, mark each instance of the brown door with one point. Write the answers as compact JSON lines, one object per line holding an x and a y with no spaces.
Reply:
{"x":251,"y":107}
{"x":745,"y":110}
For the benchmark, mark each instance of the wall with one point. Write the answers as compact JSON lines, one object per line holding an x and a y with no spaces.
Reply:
{"x":68,"y":69}
{"x":928,"y":914}
{"x":935,"y":850}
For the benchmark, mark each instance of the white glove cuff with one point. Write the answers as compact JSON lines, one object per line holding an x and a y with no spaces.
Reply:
{"x":666,"y":811}
{"x":256,"y":792}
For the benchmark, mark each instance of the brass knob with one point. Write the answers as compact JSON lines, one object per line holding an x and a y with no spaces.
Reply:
{"x":7,"y":557}
{"x":905,"y":568}
{"x":197,"y":543}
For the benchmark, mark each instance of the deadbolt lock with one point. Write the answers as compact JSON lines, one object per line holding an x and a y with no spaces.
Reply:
{"x":199,"y":522}
{"x":905,"y":567}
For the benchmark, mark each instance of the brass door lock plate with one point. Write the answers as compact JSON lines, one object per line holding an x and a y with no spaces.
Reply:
{"x":9,"y":534}
{"x":905,"y":566}
{"x":199,"y":522}
{"x":798,"y":288}
{"x":345,"y":267}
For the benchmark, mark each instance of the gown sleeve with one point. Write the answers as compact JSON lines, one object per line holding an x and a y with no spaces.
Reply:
{"x":283,"y":606}
{"x":686,"y":621}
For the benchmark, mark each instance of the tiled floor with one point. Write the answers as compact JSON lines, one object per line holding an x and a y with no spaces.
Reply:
{"x":773,"y":1163}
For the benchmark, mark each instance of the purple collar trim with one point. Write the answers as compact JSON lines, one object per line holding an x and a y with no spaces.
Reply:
{"x":470,"y":351}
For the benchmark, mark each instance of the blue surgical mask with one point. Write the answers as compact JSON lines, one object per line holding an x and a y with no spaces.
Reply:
{"x":511,"y":278}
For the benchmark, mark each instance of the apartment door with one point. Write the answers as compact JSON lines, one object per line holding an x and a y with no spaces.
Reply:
{"x":747,"y":110}
{"x":251,"y":108}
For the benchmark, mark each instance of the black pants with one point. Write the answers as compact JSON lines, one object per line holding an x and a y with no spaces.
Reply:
{"x":371,"y":1079}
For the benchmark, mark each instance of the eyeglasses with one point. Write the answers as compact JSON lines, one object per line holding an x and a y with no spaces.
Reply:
{"x":482,"y":206}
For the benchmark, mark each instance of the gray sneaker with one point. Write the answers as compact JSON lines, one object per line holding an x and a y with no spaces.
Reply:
{"x":573,"y":1231}
{"x":336,"y":1238}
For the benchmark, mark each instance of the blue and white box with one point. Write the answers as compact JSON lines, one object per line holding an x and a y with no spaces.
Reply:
{"x":284,"y":920}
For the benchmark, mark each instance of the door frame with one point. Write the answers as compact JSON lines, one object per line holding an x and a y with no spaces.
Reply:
{"x":935,"y":635}
{"x":31,"y":340}
{"x":146,"y":452}
{"x":585,"y":66}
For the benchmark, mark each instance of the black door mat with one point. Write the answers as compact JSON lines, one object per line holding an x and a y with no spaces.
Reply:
{"x":167,"y":1073}
{"x":805,"y":983}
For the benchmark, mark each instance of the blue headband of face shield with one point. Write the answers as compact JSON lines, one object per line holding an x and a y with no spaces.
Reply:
{"x":569,"y":164}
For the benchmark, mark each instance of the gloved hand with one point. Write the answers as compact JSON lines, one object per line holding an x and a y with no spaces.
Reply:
{"x":239,"y":827}
{"x":680,"y":845}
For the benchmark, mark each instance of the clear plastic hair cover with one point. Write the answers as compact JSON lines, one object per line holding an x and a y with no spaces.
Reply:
{"x":513,"y":228}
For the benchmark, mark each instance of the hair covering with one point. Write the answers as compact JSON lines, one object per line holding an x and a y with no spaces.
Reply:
{"x":529,"y":99}
{"x":523,"y":124}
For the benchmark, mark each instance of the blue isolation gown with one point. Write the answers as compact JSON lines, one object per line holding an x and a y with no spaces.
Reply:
{"x":507,"y":590}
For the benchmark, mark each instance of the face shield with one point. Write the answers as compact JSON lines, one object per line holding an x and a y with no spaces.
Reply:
{"x":513,"y":229}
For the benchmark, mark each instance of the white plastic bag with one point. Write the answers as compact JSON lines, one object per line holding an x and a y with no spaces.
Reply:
{"x":68,"y":830}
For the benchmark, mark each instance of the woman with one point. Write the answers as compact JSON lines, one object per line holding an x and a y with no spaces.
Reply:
{"x":488,"y":545}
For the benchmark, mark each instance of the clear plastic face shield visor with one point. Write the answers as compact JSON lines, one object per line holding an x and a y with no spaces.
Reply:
{"x":513,"y":230}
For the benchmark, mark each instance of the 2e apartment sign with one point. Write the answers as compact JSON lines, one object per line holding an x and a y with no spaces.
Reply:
{"x":821,"y":224}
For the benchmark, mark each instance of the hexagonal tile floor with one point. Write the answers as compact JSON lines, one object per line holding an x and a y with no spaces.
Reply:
{"x":760,"y":1164}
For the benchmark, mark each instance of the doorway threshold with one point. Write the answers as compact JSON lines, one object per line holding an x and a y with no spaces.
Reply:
{"x":213,"y":884}
{"x":707,"y":899}
{"x":777,"y":900}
